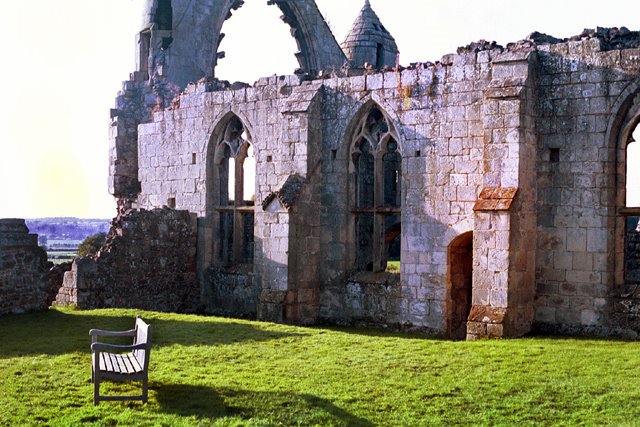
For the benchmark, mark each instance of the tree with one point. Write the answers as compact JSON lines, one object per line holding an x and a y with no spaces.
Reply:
{"x":92,"y":244}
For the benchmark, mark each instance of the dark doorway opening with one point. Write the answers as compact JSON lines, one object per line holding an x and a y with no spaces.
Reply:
{"x":459,"y":285}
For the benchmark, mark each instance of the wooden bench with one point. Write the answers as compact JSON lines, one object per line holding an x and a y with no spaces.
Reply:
{"x":121,"y":362}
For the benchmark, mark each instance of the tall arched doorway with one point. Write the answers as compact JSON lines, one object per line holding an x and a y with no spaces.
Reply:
{"x":459,"y":285}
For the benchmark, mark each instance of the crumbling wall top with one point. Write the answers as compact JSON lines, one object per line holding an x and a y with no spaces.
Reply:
{"x":14,"y":233}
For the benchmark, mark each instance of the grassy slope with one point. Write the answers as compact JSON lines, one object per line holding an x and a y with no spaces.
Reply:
{"x":213,"y":371}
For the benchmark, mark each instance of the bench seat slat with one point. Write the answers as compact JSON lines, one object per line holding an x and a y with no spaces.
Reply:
{"x":130,"y":366}
{"x":124,"y":362}
{"x":120,"y":363}
{"x":114,"y":363}
{"x":134,"y":363}
{"x":123,"y":366}
{"x":105,"y":362}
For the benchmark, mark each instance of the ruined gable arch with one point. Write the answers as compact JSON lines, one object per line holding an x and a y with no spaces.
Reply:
{"x":624,"y":119}
{"x":317,"y":47}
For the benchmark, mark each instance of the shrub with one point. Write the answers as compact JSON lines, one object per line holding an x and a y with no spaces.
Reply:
{"x":91,"y":244}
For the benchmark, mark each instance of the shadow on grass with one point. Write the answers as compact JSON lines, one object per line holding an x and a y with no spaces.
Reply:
{"x":55,"y":332}
{"x":205,"y":402}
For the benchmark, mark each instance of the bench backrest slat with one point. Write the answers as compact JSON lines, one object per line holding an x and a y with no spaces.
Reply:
{"x":143,"y":336}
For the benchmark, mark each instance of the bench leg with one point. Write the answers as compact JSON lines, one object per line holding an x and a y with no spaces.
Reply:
{"x":96,"y":391}
{"x":145,"y":389}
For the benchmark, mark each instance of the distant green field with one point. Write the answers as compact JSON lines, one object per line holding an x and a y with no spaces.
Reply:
{"x":61,"y":256}
{"x":61,"y":250}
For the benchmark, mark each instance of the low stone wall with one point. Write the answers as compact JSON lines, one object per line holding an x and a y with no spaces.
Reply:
{"x":148,"y":262}
{"x":55,"y":280}
{"x":231,"y":293}
{"x":23,"y":269}
{"x":632,"y":257}
{"x":368,"y":299}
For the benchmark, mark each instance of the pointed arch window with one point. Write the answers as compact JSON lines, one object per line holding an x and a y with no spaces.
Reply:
{"x":234,"y":164}
{"x":377,"y":170}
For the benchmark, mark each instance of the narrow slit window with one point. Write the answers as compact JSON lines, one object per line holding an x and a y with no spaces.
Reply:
{"x":379,"y":55}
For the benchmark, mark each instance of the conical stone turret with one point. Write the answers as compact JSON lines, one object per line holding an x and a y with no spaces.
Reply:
{"x":369,"y":42}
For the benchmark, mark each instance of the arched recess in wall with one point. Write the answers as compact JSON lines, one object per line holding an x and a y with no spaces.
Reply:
{"x":375,"y":191}
{"x":623,"y":130}
{"x":231,"y":193}
{"x":459,"y":285}
{"x":317,"y":46}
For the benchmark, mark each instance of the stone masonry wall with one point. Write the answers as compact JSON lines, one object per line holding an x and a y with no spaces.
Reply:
{"x":580,"y":82}
{"x":148,"y":262}
{"x":532,"y":118}
{"x":632,"y":259}
{"x":437,"y":109}
{"x":23,"y":269}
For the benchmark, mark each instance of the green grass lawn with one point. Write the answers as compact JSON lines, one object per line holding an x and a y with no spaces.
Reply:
{"x":393,"y":267}
{"x":225,"y":372}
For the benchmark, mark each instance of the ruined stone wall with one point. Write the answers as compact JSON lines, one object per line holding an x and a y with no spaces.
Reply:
{"x":148,"y":262}
{"x":187,"y":49}
{"x":438,"y":111}
{"x":176,"y":163}
{"x":580,"y":82}
{"x":23,"y":269}
{"x":446,"y":121}
{"x":530,"y":121}
{"x":632,"y":257}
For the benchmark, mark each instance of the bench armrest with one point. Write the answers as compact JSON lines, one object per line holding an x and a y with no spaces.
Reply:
{"x":102,"y":347}
{"x":100,"y":332}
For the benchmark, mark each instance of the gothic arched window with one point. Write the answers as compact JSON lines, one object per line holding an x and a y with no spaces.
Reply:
{"x":234,"y":197}
{"x":377,"y":164}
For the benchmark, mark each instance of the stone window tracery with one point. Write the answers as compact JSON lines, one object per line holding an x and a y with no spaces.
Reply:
{"x":235,"y":165}
{"x":377,"y":167}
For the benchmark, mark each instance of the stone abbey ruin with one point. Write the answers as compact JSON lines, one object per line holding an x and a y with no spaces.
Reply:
{"x":495,"y":178}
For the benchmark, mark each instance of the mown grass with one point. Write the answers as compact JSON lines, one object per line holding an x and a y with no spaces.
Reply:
{"x":393,"y":267}
{"x":222,"y":372}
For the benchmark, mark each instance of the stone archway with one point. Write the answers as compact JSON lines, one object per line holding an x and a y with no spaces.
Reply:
{"x":318,"y":48}
{"x":189,"y":49}
{"x":459,"y":285}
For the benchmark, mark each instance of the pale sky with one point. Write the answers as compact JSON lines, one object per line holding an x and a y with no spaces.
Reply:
{"x":64,"y":61}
